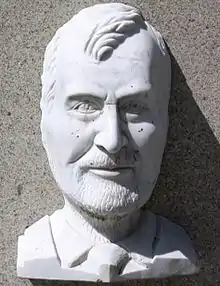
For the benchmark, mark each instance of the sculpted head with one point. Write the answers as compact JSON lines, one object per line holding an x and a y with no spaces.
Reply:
{"x":106,"y":86}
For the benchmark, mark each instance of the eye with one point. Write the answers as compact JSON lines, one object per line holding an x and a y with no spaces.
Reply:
{"x":86,"y":106}
{"x":131,"y":110}
{"x":133,"y":107}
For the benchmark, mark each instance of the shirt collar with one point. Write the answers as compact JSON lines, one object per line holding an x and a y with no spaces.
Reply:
{"x":72,"y":248}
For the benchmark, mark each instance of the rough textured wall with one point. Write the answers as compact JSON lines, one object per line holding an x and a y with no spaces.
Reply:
{"x":189,"y":186}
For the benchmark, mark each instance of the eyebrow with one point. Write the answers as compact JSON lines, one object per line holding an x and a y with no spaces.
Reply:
{"x":85,"y":90}
{"x":133,"y":89}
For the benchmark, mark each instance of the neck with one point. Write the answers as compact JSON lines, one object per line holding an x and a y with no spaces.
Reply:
{"x":106,"y":229}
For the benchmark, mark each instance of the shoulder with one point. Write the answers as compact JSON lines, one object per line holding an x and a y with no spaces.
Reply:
{"x":34,"y":247}
{"x":173,"y":248}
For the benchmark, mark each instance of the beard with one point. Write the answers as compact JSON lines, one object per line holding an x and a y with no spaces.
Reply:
{"x":103,"y":197}
{"x":100,"y":196}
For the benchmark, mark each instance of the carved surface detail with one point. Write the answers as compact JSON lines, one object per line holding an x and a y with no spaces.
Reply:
{"x":106,"y":86}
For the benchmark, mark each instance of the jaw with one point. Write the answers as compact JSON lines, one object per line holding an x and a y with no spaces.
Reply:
{"x":100,"y":228}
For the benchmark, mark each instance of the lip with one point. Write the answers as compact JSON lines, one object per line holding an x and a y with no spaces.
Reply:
{"x":111,"y":173}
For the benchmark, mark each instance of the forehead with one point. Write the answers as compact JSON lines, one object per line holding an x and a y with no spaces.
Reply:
{"x":131,"y":61}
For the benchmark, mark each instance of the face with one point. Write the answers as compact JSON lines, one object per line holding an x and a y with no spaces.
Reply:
{"x":106,"y":130}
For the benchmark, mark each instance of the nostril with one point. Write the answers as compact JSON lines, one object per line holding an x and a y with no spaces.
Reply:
{"x":107,"y":143}
{"x":101,"y":148}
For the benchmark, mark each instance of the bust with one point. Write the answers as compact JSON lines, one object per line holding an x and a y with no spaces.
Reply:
{"x":106,"y":87}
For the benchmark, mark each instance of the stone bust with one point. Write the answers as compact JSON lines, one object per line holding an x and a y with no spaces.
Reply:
{"x":106,"y":87}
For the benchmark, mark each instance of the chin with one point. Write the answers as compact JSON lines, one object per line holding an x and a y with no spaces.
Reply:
{"x":101,"y":210}
{"x":103,"y":198}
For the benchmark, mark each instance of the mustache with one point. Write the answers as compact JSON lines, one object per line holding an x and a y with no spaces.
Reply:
{"x":95,"y":158}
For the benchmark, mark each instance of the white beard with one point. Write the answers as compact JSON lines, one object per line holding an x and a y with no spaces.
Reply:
{"x":100,"y":196}
{"x":103,"y":197}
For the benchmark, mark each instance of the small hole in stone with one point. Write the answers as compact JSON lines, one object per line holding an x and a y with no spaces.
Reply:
{"x":77,"y":136}
{"x":19,"y":189}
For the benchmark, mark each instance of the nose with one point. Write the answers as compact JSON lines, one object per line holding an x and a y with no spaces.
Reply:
{"x":110,"y":137}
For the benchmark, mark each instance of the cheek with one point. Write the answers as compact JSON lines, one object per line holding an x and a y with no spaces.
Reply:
{"x":141,"y":133}
{"x":67,"y":137}
{"x":149,"y":141}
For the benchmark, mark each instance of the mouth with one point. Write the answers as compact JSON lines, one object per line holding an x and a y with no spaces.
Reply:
{"x":114,"y":172}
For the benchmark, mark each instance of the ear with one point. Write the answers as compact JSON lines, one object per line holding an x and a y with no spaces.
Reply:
{"x":159,"y":39}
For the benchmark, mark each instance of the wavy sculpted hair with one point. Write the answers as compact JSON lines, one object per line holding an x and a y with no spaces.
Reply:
{"x":106,"y":27}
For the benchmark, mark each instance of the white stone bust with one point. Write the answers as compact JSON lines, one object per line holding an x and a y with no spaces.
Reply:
{"x":106,"y":86}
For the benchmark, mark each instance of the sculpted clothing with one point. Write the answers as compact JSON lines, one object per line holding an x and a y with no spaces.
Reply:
{"x":158,"y":248}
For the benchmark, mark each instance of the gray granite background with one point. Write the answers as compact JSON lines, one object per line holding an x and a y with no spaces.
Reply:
{"x":189,"y":186}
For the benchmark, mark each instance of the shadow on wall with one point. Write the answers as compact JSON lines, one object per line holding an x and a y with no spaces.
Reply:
{"x":188,"y":187}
